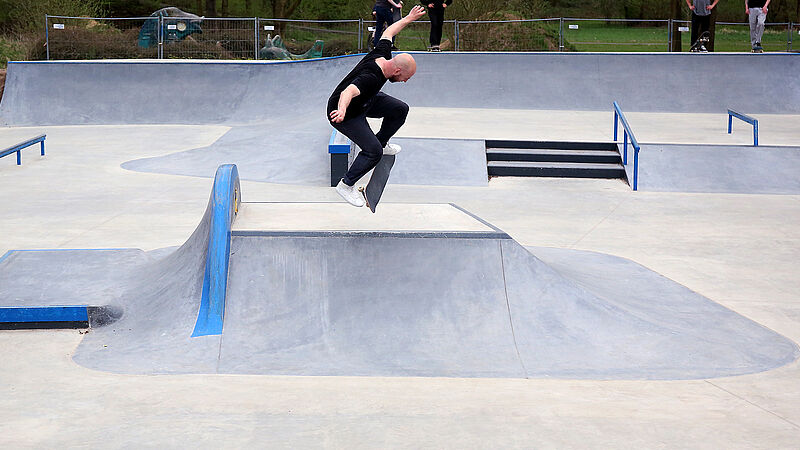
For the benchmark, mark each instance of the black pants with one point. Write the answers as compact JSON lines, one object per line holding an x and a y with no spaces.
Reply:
{"x":393,"y":112}
{"x":383,"y":17}
{"x":437,"y":20}
{"x":699,"y":25}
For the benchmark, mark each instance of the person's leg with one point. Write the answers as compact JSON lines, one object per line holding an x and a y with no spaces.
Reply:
{"x":382,"y":17}
{"x":705,"y":23}
{"x":753,"y":18}
{"x":392,"y":111}
{"x":358,"y":130}
{"x":761,"y":19}
{"x":437,"y":19}
{"x":695,"y":27}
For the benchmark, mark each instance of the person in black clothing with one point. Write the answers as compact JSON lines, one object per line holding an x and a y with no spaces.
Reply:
{"x":358,"y":96}
{"x":384,"y":16}
{"x":436,"y":13}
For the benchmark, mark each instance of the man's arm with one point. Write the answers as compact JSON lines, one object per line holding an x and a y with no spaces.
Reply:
{"x":764,"y":8}
{"x":415,"y":13}
{"x":345,"y":98}
{"x":689,"y":3}
{"x":746,"y":8}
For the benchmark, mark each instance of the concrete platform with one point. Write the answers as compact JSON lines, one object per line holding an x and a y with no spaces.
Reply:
{"x":326,"y":217}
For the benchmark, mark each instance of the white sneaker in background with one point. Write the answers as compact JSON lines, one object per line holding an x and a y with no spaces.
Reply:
{"x":350,"y":194}
{"x":391,"y":149}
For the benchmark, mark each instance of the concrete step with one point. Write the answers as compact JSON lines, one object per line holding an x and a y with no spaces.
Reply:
{"x":560,"y":145}
{"x":552,"y":155}
{"x":555,"y":169}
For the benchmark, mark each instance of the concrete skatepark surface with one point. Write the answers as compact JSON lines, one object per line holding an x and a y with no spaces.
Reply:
{"x":734,"y":249}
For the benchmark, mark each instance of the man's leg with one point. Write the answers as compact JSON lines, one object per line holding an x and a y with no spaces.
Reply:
{"x":695,"y":27}
{"x":436,"y":16}
{"x":358,"y":130}
{"x":393,"y":112}
{"x":761,"y":19}
{"x":753,"y":19}
{"x":383,"y":17}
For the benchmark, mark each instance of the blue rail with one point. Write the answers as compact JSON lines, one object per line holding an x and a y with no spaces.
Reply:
{"x":18,"y":147}
{"x":618,"y":116}
{"x":746,"y":118}
{"x":224,"y":205}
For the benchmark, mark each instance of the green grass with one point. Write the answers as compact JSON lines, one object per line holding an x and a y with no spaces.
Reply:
{"x":617,"y":37}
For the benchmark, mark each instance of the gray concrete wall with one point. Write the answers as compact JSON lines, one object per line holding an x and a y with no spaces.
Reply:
{"x":106,"y":92}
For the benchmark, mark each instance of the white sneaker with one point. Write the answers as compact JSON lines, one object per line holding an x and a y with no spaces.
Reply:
{"x":350,"y":193}
{"x":391,"y":149}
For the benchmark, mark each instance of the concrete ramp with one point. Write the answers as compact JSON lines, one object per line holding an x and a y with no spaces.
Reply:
{"x":420,"y":290}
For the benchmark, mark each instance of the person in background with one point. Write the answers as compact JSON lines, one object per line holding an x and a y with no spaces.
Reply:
{"x":383,"y":17}
{"x":757,"y":12}
{"x":701,"y":17}
{"x":436,"y":13}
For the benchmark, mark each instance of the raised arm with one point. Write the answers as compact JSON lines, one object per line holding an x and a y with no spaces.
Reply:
{"x":415,"y":13}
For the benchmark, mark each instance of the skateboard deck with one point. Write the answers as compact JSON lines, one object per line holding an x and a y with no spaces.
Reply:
{"x":377,"y":183}
{"x":702,"y":40}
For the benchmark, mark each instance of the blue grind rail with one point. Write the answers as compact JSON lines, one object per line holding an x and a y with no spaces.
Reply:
{"x":225,"y":201}
{"x":751,"y":120}
{"x":17,"y":148}
{"x":32,"y":314}
{"x":628,"y":133}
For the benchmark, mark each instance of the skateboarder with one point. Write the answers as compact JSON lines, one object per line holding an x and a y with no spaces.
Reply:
{"x":358,"y":96}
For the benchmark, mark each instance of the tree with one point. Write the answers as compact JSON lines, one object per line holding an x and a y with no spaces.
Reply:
{"x":283,"y":9}
{"x":211,"y":8}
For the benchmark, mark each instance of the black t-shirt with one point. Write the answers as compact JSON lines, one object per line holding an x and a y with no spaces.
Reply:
{"x":368,"y":78}
{"x":756,"y":3}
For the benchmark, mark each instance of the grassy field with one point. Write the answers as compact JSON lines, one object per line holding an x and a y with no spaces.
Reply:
{"x":615,"y":37}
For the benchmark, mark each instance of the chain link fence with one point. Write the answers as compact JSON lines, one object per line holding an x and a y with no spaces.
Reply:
{"x":246,"y":38}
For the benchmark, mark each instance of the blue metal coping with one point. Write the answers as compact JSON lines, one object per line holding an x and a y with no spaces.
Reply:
{"x":18,"y":147}
{"x":628,"y":133}
{"x":751,"y":120}
{"x":224,"y":202}
{"x":337,"y":148}
{"x":28,"y":314}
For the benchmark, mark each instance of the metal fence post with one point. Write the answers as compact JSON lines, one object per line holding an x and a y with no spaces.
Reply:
{"x":561,"y":34}
{"x":160,"y":37}
{"x":255,"y":35}
{"x":47,"y":36}
{"x":360,"y":33}
{"x":669,"y":34}
{"x":457,"y":35}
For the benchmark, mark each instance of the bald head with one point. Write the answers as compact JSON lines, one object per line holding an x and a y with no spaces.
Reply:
{"x":404,"y":67}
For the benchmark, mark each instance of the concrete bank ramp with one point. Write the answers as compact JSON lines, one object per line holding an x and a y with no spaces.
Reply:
{"x":252,"y":92}
{"x":420,"y":290}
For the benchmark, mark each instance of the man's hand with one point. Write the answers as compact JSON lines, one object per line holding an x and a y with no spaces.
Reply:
{"x":692,"y":7}
{"x":747,"y":11}
{"x":416,"y":12}
{"x":764,"y":9}
{"x":430,"y":5}
{"x":337,"y":116}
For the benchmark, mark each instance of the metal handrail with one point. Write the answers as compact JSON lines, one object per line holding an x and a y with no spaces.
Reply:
{"x":17,"y":148}
{"x":627,"y":133}
{"x":751,"y":120}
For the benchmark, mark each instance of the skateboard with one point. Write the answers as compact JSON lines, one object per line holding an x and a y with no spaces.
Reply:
{"x":377,"y":183}
{"x":700,"y":43}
